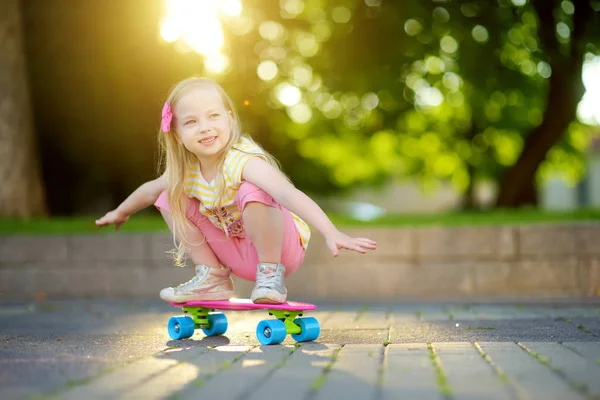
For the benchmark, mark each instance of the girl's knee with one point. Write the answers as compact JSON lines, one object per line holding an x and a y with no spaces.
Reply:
{"x":249,"y":192}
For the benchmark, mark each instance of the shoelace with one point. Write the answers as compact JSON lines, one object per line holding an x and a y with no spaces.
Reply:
{"x":267,"y":280}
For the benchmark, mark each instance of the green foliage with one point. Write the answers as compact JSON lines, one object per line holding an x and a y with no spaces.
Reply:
{"x":438,"y":91}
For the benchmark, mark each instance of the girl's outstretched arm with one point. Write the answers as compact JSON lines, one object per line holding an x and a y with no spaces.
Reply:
{"x":270,"y":179}
{"x":144,"y":196}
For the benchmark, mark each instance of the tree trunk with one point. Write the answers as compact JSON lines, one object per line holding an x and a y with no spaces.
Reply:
{"x":517,"y":187}
{"x":21,"y":189}
{"x":518,"y":183}
{"x":468,"y":200}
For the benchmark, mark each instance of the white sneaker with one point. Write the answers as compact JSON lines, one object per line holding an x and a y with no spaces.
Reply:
{"x":208,"y":284}
{"x":269,"y":288}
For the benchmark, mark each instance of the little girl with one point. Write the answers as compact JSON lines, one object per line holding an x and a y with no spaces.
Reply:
{"x":226,"y":202}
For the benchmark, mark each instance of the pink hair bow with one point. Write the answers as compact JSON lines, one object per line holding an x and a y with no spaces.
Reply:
{"x":167,"y":115}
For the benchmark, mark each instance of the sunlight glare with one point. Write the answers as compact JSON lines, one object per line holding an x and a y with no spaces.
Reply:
{"x":588,"y":110}
{"x":169,"y":31}
{"x":195,"y":22}
{"x":231,"y":7}
{"x":216,"y":63}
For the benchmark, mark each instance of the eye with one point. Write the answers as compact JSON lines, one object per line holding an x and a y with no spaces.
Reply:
{"x":215,"y":115}
{"x":191,"y":121}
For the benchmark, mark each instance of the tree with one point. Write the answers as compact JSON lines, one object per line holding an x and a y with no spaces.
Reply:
{"x":462,"y":90}
{"x":21,"y":191}
{"x":565,"y":54}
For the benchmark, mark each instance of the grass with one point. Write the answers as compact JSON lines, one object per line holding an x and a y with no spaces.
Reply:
{"x":501,"y":375}
{"x":152,"y":222}
{"x":492,"y":217}
{"x":318,"y":383}
{"x":440,"y":376}
{"x":583,"y":328}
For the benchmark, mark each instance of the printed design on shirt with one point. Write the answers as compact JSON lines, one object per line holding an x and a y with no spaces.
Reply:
{"x":235,"y":227}
{"x":197,"y":187}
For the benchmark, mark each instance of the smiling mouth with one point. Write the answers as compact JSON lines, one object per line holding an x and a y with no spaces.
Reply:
{"x":209,"y":140}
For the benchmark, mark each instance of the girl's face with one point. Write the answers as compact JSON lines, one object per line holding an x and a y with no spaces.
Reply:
{"x":202,"y":123}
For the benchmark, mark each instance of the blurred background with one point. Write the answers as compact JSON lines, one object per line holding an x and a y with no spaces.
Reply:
{"x":372,"y":107}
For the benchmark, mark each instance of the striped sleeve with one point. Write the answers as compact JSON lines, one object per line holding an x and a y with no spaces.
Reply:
{"x":239,"y":156}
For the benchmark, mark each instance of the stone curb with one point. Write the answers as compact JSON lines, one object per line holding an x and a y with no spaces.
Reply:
{"x":419,"y":263}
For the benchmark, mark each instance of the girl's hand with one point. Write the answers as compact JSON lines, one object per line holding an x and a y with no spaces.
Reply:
{"x":113,"y":217}
{"x":338,"y":240}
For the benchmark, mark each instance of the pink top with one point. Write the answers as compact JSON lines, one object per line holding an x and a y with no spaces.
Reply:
{"x":246,"y":304}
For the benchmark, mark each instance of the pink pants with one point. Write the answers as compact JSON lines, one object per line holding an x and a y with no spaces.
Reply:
{"x":239,"y":253}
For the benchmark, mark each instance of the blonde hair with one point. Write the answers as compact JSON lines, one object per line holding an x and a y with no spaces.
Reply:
{"x":176,"y":161}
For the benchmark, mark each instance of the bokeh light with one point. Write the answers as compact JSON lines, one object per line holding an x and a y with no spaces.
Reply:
{"x":412,"y":27}
{"x":300,"y":113}
{"x":480,"y":34}
{"x":448,"y":44}
{"x":341,"y":15}
{"x":267,"y":70}
{"x":287,"y":94}
{"x":588,"y":110}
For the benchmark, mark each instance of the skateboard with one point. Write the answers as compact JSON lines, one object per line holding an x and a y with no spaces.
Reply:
{"x":287,"y":320}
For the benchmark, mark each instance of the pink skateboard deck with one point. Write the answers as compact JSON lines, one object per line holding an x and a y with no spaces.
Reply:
{"x":287,"y":320}
{"x":235,"y":304}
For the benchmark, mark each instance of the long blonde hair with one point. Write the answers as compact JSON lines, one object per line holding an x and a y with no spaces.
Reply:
{"x":176,"y":161}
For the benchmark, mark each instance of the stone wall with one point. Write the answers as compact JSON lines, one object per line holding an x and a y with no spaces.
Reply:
{"x":458,"y":263}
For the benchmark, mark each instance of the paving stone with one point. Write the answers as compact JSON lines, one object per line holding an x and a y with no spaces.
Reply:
{"x":354,"y":373}
{"x":534,"y":379}
{"x":408,"y":373}
{"x":355,"y":336}
{"x":439,"y":315}
{"x":340,"y":320}
{"x":486,"y":330}
{"x":460,"y":313}
{"x":398,"y":317}
{"x":300,"y":373}
{"x":588,"y":350}
{"x":355,"y":320}
{"x":131,"y":376}
{"x":591,"y":326}
{"x":568,"y":312}
{"x":484,"y":312}
{"x":191,"y":371}
{"x":579,"y":371}
{"x":468,"y":374}
{"x":121,"y":349}
{"x":242,"y":377}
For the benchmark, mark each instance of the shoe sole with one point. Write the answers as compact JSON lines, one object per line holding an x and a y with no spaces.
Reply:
{"x":267,"y":301}
{"x":217,"y":296}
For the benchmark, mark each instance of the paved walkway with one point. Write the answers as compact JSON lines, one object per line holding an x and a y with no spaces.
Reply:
{"x":89,"y":350}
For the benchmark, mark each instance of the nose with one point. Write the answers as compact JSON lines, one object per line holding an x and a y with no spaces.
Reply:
{"x":203,"y":125}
